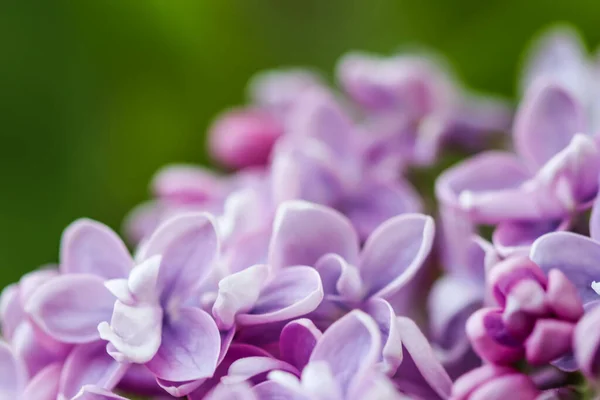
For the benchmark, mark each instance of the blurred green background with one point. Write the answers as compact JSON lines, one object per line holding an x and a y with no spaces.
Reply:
{"x":96,"y":95}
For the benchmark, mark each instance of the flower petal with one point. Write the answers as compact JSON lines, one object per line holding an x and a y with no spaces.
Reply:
{"x":421,"y":356}
{"x":297,"y":341}
{"x":70,"y":307}
{"x":575,"y":255}
{"x":238,"y":293}
{"x":304,"y":232}
{"x":586,"y":342}
{"x":558,"y":55}
{"x":134,"y":332}
{"x":185,"y":184}
{"x":238,"y":391}
{"x":351,"y":347}
{"x":35,"y":351}
{"x":595,"y":220}
{"x":93,"y":248}
{"x":188,"y":245}
{"x":90,"y":392}
{"x":549,"y":340}
{"x":271,"y":390}
{"x":236,"y":352}
{"x":11,"y":311}
{"x":546,"y":121}
{"x":376,"y":202}
{"x":189,"y":349}
{"x":516,"y":238}
{"x":340,"y":278}
{"x":13,"y":375}
{"x":90,"y":364}
{"x":44,"y":385}
{"x":250,"y":367}
{"x":292,"y":292}
{"x":383,"y":314}
{"x":395,"y":252}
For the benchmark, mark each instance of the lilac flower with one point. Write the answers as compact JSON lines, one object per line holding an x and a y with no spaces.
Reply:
{"x":413,"y":106}
{"x":491,"y":382}
{"x":552,"y":177}
{"x":310,"y":234}
{"x":151,"y":323}
{"x":575,"y":255}
{"x":244,"y":137}
{"x":344,"y":363}
{"x":320,"y":161}
{"x":587,"y":344}
{"x":535,"y":319}
{"x":452,"y":299}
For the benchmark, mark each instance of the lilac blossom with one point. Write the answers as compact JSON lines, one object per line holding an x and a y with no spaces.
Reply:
{"x":413,"y":106}
{"x":151,"y":322}
{"x":344,"y":363}
{"x":535,"y":317}
{"x":321,"y":161}
{"x":552,"y":176}
{"x":491,"y":382}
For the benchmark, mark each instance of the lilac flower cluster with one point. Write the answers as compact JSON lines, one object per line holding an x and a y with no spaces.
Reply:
{"x":301,"y":274}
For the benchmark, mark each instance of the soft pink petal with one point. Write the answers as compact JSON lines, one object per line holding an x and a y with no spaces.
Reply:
{"x":90,"y":392}
{"x":44,"y":386}
{"x":13,"y":375}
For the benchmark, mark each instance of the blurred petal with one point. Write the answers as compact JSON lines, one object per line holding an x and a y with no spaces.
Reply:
{"x":516,"y":237}
{"x":292,"y":292}
{"x":90,"y":364}
{"x":586,"y":342}
{"x":374,"y":203}
{"x":304,"y":232}
{"x":546,"y":121}
{"x":491,"y":339}
{"x":466,"y":384}
{"x":351,"y":347}
{"x":189,"y":349}
{"x":297,"y":341}
{"x":186,"y":184}
{"x":13,"y":375}
{"x":395,"y":252}
{"x":318,"y":115}
{"x":44,"y":385}
{"x":549,"y":340}
{"x":36,"y":352}
{"x":188,"y":245}
{"x":475,"y":185}
{"x":238,"y":293}
{"x":70,"y":307}
{"x":423,"y":358}
{"x":575,"y":255}
{"x":134,"y":331}
{"x":595,"y":220}
{"x":306,"y":169}
{"x":562,"y":297}
{"x":244,"y":137}
{"x":558,"y":55}
{"x":93,"y":248}
{"x":505,"y":387}
{"x":11,"y":311}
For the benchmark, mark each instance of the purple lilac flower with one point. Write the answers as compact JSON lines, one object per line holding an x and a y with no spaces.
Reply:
{"x":413,"y":106}
{"x":345,"y":363}
{"x":452,"y":299}
{"x":321,"y":161}
{"x":553,"y":176}
{"x":152,"y":323}
{"x":535,"y":319}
